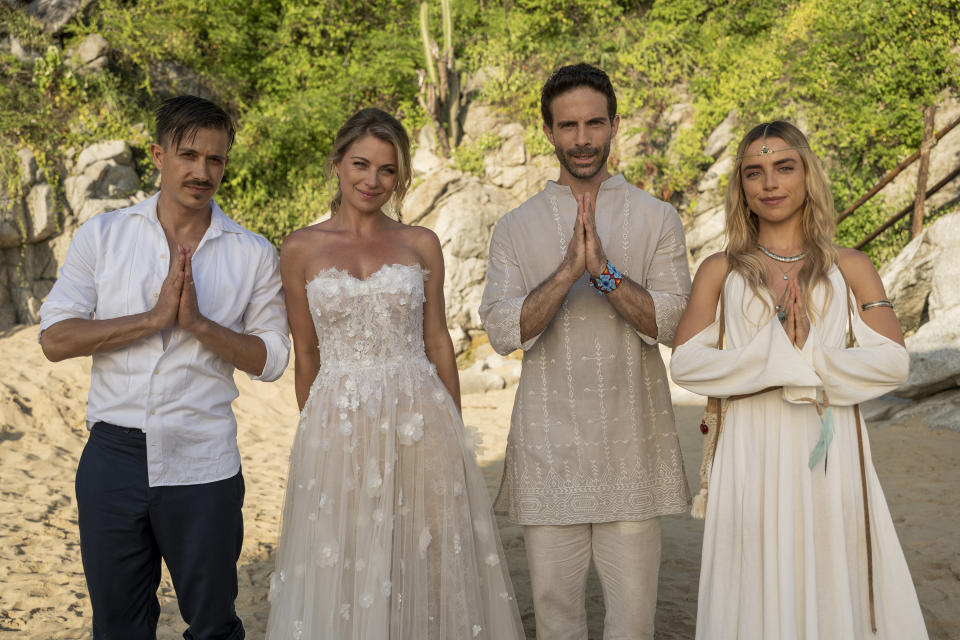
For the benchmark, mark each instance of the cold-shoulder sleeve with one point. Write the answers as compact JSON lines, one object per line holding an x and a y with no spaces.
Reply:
{"x":768,"y":360}
{"x":851,"y":375}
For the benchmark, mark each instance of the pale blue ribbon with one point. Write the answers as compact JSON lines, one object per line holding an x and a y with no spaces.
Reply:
{"x":826,"y":436}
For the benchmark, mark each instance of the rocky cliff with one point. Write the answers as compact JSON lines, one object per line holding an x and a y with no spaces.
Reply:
{"x":36,"y":225}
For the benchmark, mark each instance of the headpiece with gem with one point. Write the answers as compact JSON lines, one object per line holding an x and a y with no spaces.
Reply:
{"x":765,"y":150}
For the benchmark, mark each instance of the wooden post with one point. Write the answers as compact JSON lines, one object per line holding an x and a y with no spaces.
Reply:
{"x":928,"y":142}
{"x":894,"y":173}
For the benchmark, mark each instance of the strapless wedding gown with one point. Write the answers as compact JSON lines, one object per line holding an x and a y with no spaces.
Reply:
{"x":387,"y":526}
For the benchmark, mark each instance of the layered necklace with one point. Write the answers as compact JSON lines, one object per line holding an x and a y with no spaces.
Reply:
{"x":777,"y":258}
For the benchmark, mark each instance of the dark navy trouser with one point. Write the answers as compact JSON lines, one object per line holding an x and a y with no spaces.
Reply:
{"x":126,"y":527}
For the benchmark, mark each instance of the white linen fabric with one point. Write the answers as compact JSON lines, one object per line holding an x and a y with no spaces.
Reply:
{"x":627,"y":559}
{"x":387,"y":527}
{"x":179,"y":393}
{"x":784,"y":549}
{"x":592,"y":436}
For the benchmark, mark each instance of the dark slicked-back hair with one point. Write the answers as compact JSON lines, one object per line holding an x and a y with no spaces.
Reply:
{"x":570,"y":77}
{"x":181,"y":116}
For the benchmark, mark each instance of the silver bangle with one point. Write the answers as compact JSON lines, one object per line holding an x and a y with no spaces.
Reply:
{"x":878,"y":303}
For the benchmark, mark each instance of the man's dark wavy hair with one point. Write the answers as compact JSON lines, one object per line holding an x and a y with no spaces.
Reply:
{"x":570,"y":77}
{"x":181,"y":116}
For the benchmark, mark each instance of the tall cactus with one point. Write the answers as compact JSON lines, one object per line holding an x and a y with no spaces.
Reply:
{"x":440,"y":84}
{"x":429,"y":54}
{"x":453,"y":78}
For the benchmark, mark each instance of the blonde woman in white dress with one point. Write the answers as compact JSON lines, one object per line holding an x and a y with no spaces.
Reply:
{"x":387,"y":528}
{"x":787,"y":553}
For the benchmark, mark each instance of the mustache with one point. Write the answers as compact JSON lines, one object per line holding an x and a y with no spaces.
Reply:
{"x":581,"y":152}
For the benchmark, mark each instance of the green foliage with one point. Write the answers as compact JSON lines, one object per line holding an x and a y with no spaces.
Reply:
{"x":48,"y":107}
{"x":854,"y":74}
{"x":520,"y":43}
{"x":867,"y":75}
{"x":324,"y":61}
{"x":440,"y":91}
{"x":291,"y":73}
{"x":536,"y":141}
{"x":469,"y":157}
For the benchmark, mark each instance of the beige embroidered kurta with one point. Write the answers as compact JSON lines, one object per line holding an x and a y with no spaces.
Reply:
{"x":592,"y":436}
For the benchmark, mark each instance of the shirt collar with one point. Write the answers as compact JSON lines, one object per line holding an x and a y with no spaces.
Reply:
{"x":219,"y":221}
{"x":611,"y":183}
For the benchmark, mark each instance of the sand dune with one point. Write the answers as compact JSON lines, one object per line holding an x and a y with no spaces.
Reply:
{"x":42,"y":591}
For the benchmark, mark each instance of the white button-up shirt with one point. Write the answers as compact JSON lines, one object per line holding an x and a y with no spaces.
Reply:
{"x":179,"y":395}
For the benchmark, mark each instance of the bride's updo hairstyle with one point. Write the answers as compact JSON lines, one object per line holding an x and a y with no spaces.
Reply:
{"x":380,"y":125}
{"x":818,"y":219}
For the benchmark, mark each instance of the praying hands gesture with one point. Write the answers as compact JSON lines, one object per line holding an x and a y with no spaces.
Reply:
{"x":585,"y":251}
{"x":797,"y":322}
{"x":177,"y":302}
{"x":189,"y":317}
{"x":596,"y":259}
{"x":176,"y":307}
{"x":165,"y":311}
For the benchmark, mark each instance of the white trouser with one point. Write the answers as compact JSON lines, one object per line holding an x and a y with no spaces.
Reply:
{"x":627,"y":557}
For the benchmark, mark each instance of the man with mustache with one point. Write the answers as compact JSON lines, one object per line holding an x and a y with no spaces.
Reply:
{"x":586,"y":277}
{"x":168,"y":296}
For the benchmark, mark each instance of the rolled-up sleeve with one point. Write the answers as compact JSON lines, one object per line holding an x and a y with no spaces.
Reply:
{"x":74,"y":294}
{"x":668,"y":279}
{"x":266,"y":316}
{"x":504,"y":294}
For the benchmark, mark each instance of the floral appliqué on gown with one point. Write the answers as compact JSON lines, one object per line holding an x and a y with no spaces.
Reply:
{"x":387,"y":528}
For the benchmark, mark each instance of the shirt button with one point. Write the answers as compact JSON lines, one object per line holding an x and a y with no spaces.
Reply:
{"x":156,"y":295}
{"x":156,"y":372}
{"x":163,"y":256}
{"x":153,"y":412}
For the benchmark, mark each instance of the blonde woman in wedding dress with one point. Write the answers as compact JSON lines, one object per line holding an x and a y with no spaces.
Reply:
{"x":387,"y":528}
{"x":787,"y":550}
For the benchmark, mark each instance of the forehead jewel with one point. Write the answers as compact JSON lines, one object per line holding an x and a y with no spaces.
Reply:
{"x":765,"y":150}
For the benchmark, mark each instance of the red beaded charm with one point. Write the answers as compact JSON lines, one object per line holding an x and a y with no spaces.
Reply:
{"x":703,"y":426}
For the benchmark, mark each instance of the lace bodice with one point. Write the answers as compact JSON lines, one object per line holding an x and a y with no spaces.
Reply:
{"x":372,"y":322}
{"x":387,"y":530}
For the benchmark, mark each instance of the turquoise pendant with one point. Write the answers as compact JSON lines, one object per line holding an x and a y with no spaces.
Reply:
{"x":781,"y":314}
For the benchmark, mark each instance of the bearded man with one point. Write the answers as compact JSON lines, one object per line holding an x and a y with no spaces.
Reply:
{"x":587,"y":277}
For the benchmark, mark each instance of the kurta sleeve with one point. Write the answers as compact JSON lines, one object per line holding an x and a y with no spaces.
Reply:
{"x":768,"y":360}
{"x":857,"y":374}
{"x":504,"y":294}
{"x":668,"y":279}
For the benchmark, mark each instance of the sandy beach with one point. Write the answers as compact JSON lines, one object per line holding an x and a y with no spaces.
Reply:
{"x":42,"y":590}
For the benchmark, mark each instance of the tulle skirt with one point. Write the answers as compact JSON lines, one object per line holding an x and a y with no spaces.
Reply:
{"x":387,"y":527}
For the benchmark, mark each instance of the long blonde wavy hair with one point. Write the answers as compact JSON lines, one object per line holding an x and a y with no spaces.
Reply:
{"x":383,"y":126}
{"x":818,"y":218}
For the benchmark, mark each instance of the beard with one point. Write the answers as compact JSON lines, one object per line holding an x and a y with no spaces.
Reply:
{"x":566,"y":158}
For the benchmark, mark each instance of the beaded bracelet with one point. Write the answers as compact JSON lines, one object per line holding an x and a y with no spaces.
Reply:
{"x":608,"y":280}
{"x":878,"y":303}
